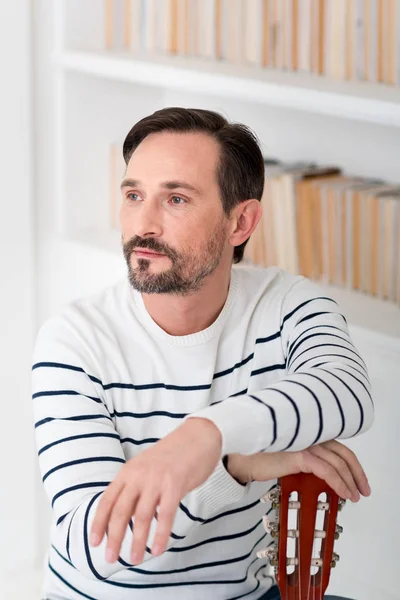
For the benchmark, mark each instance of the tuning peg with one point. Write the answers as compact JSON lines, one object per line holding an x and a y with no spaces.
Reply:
{"x":341,"y":503}
{"x":271,"y":553}
{"x":272,"y":496}
{"x":338,"y":531}
{"x":335,"y":559}
{"x":270,"y":526}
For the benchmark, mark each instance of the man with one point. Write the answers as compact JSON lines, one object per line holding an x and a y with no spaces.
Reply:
{"x":168,"y":404}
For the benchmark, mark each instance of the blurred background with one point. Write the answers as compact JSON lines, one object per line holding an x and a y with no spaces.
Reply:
{"x":319,"y":83}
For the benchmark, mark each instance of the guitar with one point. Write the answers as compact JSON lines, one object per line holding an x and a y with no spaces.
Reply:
{"x":305,"y":530}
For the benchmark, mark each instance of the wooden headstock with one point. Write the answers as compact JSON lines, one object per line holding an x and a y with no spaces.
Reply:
{"x":301,"y":573}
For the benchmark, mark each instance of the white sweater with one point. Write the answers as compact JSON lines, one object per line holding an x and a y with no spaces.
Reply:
{"x":276,"y":371}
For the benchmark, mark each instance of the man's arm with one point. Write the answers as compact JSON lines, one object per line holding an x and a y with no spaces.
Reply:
{"x":80,"y":452}
{"x":325,"y":393}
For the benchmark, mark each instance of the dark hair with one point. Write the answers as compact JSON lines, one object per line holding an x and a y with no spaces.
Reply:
{"x":240,"y":170}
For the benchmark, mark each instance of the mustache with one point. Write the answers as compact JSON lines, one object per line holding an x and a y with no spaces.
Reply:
{"x":148,"y":244}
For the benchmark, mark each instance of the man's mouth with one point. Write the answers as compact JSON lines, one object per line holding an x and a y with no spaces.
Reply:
{"x":144,"y":252}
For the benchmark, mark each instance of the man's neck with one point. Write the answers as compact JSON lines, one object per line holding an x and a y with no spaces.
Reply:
{"x":185,"y":315}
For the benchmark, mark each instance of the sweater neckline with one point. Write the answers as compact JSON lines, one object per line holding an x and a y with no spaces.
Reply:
{"x":192,"y":339}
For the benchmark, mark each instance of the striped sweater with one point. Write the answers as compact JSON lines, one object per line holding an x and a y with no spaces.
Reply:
{"x":277,"y":370}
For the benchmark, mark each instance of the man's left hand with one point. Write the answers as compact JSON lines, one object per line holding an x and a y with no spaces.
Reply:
{"x":159,"y":476}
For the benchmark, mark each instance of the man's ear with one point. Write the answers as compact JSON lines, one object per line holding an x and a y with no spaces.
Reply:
{"x":245,"y":217}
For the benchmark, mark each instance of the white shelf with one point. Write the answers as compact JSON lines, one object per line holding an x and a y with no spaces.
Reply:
{"x":360,"y":101}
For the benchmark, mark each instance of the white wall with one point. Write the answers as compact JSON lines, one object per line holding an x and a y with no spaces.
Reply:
{"x":66,"y":270}
{"x":17,"y":268}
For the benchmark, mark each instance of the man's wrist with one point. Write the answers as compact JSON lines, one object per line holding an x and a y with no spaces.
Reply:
{"x":207,"y":427}
{"x":225,"y":462}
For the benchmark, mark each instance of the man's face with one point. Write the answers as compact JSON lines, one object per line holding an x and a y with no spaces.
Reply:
{"x":171,"y":205}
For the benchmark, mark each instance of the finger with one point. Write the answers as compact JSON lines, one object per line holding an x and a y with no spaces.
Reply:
{"x":103,"y":512}
{"x":118,"y":523}
{"x":341,"y":467}
{"x":166,"y":515}
{"x":143,"y":516}
{"x":323,"y":470}
{"x":354,"y":464}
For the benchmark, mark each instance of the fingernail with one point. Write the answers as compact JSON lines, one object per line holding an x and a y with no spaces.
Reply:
{"x":94,"y":539}
{"x":110,"y":556}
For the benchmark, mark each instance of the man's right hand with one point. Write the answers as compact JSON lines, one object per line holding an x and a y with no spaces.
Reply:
{"x":331,"y":461}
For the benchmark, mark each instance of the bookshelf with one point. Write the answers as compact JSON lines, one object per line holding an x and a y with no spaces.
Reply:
{"x":89,"y":82}
{"x":362,"y":101}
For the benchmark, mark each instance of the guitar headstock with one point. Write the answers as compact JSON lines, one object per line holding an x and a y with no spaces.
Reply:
{"x":305,"y":530}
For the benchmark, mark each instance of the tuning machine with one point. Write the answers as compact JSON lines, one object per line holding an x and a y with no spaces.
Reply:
{"x":272,"y":496}
{"x":341,"y":503}
{"x":271,"y":526}
{"x":271,"y":553}
{"x":335,"y":559}
{"x":338,"y":531}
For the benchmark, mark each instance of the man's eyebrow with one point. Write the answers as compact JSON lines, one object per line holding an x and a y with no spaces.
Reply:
{"x":169,"y":185}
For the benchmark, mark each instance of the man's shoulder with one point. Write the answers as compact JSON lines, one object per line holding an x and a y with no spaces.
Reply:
{"x":89,"y":312}
{"x":275,"y":289}
{"x":266,"y":280}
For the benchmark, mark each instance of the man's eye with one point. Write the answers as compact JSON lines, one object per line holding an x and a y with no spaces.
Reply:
{"x":130,"y":196}
{"x":180,"y":200}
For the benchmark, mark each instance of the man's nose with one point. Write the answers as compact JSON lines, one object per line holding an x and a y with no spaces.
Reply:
{"x":148,"y":219}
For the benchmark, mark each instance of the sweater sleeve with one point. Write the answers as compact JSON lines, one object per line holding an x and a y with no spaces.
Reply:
{"x":80,"y":452}
{"x":325,"y":392}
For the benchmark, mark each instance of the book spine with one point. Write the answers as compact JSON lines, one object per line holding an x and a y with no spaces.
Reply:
{"x":359,"y":45}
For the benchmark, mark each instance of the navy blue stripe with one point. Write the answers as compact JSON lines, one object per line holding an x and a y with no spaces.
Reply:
{"x":140,"y":442}
{"x":235,"y":366}
{"x":68,"y":535}
{"x":61,"y":519}
{"x":330,"y":346}
{"x":189,"y":514}
{"x":353,"y":394}
{"x":57,"y":365}
{"x":78,"y":437}
{"x":74,"y":418}
{"x":64,"y":393}
{"x":295,"y":346}
{"x":160,"y":585}
{"x":152,"y":386}
{"x":71,"y":587}
{"x":318,"y":314}
{"x":81,"y":461}
{"x":336,"y":398}
{"x":321,"y":325}
{"x":220,"y":538}
{"x":257,"y":584}
{"x":209,"y":565}
{"x":233,"y":511}
{"x":320,"y":415}
{"x":286,"y":317}
{"x":359,"y":381}
{"x":273,"y":415}
{"x":296,"y":410}
{"x":238,"y":393}
{"x":266,"y":369}
{"x":85,"y":538}
{"x":269,"y":338}
{"x":325,"y":354}
{"x":71,"y":565}
{"x":327,"y":362}
{"x":80,"y":486}
{"x":155,"y":413}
